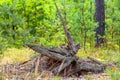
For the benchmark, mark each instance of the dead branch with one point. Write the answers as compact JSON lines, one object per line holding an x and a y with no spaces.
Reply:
{"x":95,"y":60}
{"x":46,"y":52}
{"x":66,"y":63}
{"x":68,"y":35}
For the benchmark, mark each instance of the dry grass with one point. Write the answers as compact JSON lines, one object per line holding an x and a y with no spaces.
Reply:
{"x":13,"y":55}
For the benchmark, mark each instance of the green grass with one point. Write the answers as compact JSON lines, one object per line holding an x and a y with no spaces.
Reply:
{"x":14,"y":55}
{"x":100,"y":53}
{"x":107,"y":55}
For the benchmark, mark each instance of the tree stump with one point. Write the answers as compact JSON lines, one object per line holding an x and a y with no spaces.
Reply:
{"x":60,"y":55}
{"x":64,"y":59}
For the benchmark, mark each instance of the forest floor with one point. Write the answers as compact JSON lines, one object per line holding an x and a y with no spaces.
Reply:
{"x":13,"y":68}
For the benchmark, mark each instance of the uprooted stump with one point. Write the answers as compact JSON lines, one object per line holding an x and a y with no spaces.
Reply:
{"x":61,"y":62}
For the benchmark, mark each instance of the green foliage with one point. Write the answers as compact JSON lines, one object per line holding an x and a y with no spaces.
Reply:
{"x":114,"y":73}
{"x":36,"y":21}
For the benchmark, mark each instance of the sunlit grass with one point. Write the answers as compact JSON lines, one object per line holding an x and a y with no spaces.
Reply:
{"x":114,"y":73}
{"x":100,"y":53}
{"x":14,"y":55}
{"x":104,"y":54}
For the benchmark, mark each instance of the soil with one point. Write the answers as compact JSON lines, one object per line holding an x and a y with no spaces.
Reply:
{"x":28,"y":71}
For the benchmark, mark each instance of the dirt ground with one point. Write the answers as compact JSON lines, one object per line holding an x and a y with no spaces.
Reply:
{"x":27,"y":71}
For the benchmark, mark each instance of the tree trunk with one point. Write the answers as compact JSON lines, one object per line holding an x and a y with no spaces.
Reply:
{"x":13,"y":29}
{"x":100,"y":18}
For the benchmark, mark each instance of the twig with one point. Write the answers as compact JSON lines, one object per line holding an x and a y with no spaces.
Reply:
{"x":61,"y":66}
{"x":67,"y":62}
{"x":37,"y":65}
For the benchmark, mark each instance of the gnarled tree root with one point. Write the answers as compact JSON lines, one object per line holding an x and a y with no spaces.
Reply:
{"x":65,"y":61}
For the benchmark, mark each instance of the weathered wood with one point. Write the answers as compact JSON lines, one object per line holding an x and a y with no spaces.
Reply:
{"x":45,"y":52}
{"x":86,"y":67}
{"x":64,"y":50}
{"x":59,"y":50}
{"x":95,"y":60}
{"x":68,"y":35}
{"x":37,"y":65}
{"x":91,"y":67}
{"x":66,"y":63}
{"x":60,"y":54}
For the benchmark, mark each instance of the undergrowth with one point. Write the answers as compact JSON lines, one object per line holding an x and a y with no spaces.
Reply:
{"x":14,"y":55}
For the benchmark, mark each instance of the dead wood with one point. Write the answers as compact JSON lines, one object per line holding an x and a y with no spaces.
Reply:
{"x":63,"y":57}
{"x":65,"y":63}
{"x":95,"y":60}
{"x":67,"y":33}
{"x":46,"y":52}
{"x":90,"y":67}
{"x":37,"y":65}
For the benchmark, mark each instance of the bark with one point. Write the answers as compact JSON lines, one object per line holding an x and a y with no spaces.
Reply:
{"x":100,"y":18}
{"x":65,"y":64}
{"x":13,"y":28}
{"x":60,"y":54}
{"x":65,"y":56}
{"x":67,"y":33}
{"x":96,"y":61}
{"x":46,"y":52}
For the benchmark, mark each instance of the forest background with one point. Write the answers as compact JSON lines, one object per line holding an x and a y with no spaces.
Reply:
{"x":36,"y":21}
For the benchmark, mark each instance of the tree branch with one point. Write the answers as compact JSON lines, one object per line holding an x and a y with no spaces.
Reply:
{"x":67,"y":33}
